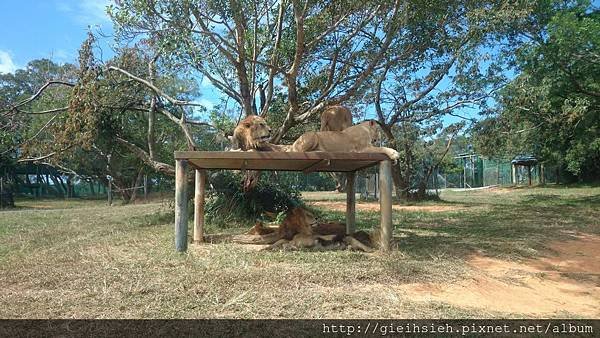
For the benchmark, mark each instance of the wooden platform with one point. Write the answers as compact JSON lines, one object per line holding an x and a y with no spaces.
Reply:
{"x":283,"y":161}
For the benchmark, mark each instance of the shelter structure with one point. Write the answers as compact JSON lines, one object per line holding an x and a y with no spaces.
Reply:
{"x":346,"y":162}
{"x":526,"y":161}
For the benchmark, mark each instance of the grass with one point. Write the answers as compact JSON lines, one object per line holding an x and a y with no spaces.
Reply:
{"x":82,"y":259}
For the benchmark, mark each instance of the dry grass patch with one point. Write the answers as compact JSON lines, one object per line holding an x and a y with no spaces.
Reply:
{"x":92,"y":261}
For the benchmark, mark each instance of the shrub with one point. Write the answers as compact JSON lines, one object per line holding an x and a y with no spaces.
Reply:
{"x":227,"y":204}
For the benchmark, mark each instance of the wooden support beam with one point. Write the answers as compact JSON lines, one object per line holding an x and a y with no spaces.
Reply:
{"x":199,"y":193}
{"x":311,"y":168}
{"x":350,"y":203}
{"x":181,"y":215}
{"x":385,"y":204}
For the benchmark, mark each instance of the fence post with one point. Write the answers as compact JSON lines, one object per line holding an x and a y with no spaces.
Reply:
{"x":145,"y":187}
{"x":513,"y":174}
{"x":497,"y":173}
{"x":109,"y":191}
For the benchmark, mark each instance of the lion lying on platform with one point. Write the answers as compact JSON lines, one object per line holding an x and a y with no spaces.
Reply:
{"x":358,"y":138}
{"x":253,"y":133}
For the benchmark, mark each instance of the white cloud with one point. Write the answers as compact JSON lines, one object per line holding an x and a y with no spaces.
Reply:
{"x":208,"y":104}
{"x":7,"y":65}
{"x":62,"y":55}
{"x":88,"y":12}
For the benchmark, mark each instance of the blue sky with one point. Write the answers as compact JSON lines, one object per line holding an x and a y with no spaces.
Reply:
{"x":54,"y":29}
{"x":51,"y":29}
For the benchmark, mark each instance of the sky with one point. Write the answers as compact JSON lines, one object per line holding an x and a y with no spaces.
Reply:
{"x":54,"y":29}
{"x":51,"y":29}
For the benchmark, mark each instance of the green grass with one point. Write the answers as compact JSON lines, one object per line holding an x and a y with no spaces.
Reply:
{"x":82,"y":259}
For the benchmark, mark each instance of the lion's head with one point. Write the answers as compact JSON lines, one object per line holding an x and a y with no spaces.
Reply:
{"x":372,"y":128}
{"x":252,"y":133}
{"x":297,"y":221}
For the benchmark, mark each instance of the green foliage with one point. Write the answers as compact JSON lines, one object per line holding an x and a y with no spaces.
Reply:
{"x":229,"y":205}
{"x":552,"y":108}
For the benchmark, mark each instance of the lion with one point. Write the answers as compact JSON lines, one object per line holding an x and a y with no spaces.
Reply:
{"x":253,"y":134}
{"x":297,"y":221}
{"x":336,"y":118}
{"x":260,"y":229}
{"x":300,"y":229}
{"x":358,"y":138}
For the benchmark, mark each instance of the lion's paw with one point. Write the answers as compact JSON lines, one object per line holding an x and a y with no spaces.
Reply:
{"x":394,"y":155}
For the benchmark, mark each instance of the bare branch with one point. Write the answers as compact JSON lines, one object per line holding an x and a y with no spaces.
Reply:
{"x":34,"y":136}
{"x":50,"y":111}
{"x":40,"y":158}
{"x":39,"y":92}
{"x":143,"y":155}
{"x":153,"y":88}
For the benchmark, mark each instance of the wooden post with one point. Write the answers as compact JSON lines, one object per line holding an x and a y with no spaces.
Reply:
{"x":529,"y":174}
{"x":497,"y":173}
{"x":199,"y":193}
{"x":109,"y":191}
{"x":181,"y":216}
{"x":350,"y":203}
{"x":465,"y":174}
{"x":145,"y":187}
{"x":542,"y":174}
{"x":385,"y":203}
{"x":514,"y":174}
{"x":38,"y":179}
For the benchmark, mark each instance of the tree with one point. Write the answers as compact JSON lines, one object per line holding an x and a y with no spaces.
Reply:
{"x":448,"y":58}
{"x":310,"y":53}
{"x":414,"y":60}
{"x":108,"y":121}
{"x":552,"y":108}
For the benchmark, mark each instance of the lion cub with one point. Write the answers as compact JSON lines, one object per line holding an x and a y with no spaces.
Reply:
{"x":358,"y":138}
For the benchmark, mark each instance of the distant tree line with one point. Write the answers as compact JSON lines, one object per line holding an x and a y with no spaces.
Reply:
{"x":411,"y":64}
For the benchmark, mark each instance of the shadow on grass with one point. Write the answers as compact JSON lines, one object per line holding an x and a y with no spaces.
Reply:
{"x":501,"y":230}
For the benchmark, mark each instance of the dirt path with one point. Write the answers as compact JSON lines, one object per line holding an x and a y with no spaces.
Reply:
{"x":374,"y":206}
{"x":565,"y":281}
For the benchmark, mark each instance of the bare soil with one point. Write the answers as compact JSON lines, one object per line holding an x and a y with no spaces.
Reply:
{"x":374,"y":206}
{"x":565,"y":280}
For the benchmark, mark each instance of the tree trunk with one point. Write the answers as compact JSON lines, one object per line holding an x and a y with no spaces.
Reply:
{"x":400,"y":183}
{"x":340,"y":181}
{"x":57,"y":186}
{"x":138,"y":181}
